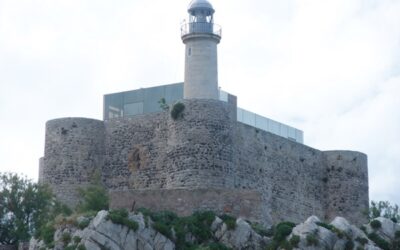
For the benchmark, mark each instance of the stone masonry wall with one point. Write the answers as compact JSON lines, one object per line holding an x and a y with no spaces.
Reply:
{"x":74,"y":152}
{"x":205,"y":149}
{"x":288,"y":174}
{"x":347,"y":185}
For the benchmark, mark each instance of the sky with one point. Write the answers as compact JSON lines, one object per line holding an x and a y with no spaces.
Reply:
{"x":328,"y":67}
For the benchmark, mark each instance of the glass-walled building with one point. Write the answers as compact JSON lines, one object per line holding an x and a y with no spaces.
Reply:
{"x":147,"y":100}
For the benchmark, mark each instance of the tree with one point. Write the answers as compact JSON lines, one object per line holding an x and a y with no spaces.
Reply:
{"x":384,"y":209}
{"x":24,"y":208}
{"x":94,"y":197}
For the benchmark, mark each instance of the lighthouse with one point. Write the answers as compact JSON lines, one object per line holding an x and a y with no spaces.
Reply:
{"x":201,"y":37}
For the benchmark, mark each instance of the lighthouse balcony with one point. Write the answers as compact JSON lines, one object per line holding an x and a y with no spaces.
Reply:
{"x":201,"y":28}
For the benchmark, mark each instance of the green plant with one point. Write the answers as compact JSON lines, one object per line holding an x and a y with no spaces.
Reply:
{"x":25,"y":207}
{"x":83,"y":224}
{"x":285,"y":245}
{"x":294,"y":240}
{"x":47,"y":233}
{"x":76,"y":239}
{"x":376,"y":224}
{"x":72,"y":247}
{"x":120,"y":217}
{"x":177,"y":110}
{"x":379,"y":241}
{"x":362,"y":241}
{"x":312,"y":240}
{"x":81,"y":247}
{"x":349,"y":245}
{"x":93,"y":198}
{"x":282,"y":230}
{"x":397,"y":234}
{"x":163,"y":104}
{"x":66,"y":238}
{"x":384,"y":209}
{"x":229,"y":220}
{"x":258,"y":228}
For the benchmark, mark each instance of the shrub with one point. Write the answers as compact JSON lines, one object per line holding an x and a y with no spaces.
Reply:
{"x":325,"y":225}
{"x":76,"y":239}
{"x":258,"y":228}
{"x":177,"y":110}
{"x":349,"y":245}
{"x":379,"y":241}
{"x":362,"y":241}
{"x":285,"y":245}
{"x":295,"y":240}
{"x":81,"y":247}
{"x":375,"y":224}
{"x":47,"y":233}
{"x":83,"y":224}
{"x":229,"y":220}
{"x":94,"y":198}
{"x":217,"y":246}
{"x":312,"y":240}
{"x":66,"y":238}
{"x":397,"y":235}
{"x":120,"y":217}
{"x":282,"y":230}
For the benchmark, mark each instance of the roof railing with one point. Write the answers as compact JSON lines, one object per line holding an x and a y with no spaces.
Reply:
{"x":201,"y":28}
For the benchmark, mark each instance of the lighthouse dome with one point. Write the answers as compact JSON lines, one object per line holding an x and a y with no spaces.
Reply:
{"x":200,"y":5}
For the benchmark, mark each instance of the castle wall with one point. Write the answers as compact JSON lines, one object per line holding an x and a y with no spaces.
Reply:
{"x":74,"y":151}
{"x":288,"y":174}
{"x":205,"y":149}
{"x":155,"y":151}
{"x":243,"y":203}
{"x":347,"y":185}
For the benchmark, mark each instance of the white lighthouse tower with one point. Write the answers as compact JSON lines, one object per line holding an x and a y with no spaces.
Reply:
{"x":201,"y":37}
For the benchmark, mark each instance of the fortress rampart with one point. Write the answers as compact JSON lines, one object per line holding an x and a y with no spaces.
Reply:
{"x":204,"y":160}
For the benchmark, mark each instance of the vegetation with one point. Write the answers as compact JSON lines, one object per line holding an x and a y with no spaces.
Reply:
{"x":384,"y":209}
{"x":177,"y":110}
{"x":94,"y":198}
{"x":25,"y":207}
{"x":258,"y":228}
{"x":121,"y":217}
{"x":163,"y":104}
{"x":362,"y":241}
{"x":312,"y":240}
{"x":376,"y":224}
{"x":294,"y":240}
{"x":349,"y":245}
{"x":280,"y":233}
{"x":332,"y":228}
{"x":379,"y":241}
{"x":177,"y":228}
{"x":229,"y":220}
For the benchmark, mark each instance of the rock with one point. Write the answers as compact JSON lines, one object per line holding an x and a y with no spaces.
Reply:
{"x":312,"y":219}
{"x":326,"y":239}
{"x":243,"y":237}
{"x":221,"y":231}
{"x":217,"y":223}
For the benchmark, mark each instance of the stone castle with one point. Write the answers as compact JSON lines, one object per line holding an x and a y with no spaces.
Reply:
{"x":203,"y":158}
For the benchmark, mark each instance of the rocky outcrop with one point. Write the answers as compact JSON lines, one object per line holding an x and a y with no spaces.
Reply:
{"x":138,"y":233}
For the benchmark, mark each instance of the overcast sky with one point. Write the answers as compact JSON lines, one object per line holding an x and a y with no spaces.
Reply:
{"x":328,"y":67}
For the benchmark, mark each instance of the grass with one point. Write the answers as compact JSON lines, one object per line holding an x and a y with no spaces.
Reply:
{"x":120,"y":217}
{"x":379,"y":241}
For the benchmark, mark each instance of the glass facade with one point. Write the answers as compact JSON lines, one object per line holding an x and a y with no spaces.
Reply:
{"x":143,"y":101}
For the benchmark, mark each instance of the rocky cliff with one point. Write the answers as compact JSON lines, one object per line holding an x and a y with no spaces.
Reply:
{"x":144,"y":231}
